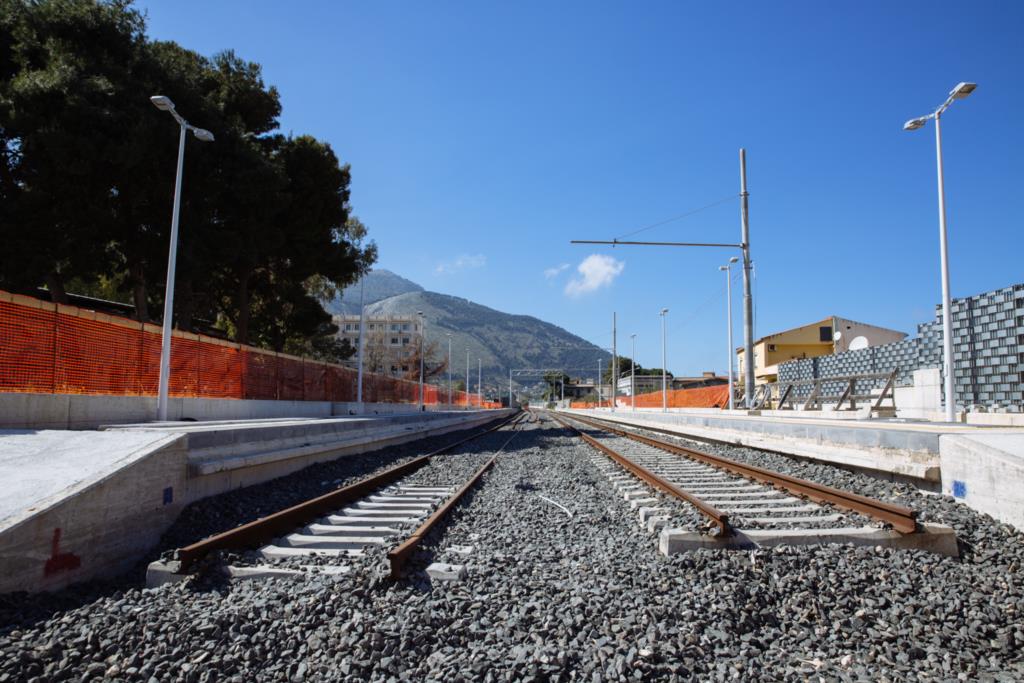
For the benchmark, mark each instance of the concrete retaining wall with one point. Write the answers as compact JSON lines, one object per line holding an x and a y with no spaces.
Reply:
{"x":986,"y":472}
{"x":74,"y":411}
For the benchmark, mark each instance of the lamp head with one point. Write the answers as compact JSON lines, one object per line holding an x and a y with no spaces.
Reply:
{"x":162,"y":102}
{"x":723,"y":267}
{"x":202,"y":134}
{"x":734,"y":259}
{"x":962,"y":90}
{"x":664,"y":311}
{"x":914,"y":124}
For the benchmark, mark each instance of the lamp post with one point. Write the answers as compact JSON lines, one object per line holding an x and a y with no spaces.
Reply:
{"x":423,"y":333}
{"x":359,"y":384}
{"x":728,"y":314}
{"x":467,"y":379}
{"x":961,"y":91}
{"x":164,"y":103}
{"x":479,"y":384}
{"x":664,"y":371}
{"x":632,"y":372}
{"x":600,"y":379}
{"x":449,"y":335}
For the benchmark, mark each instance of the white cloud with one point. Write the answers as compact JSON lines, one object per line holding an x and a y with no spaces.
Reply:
{"x":595,"y":271}
{"x":555,"y":271}
{"x":463,"y":262}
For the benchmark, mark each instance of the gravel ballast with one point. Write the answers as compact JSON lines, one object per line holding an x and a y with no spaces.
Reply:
{"x":551,"y":595}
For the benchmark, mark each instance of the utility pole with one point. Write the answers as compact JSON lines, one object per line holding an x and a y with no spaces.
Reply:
{"x":599,"y":380}
{"x":423,"y":333}
{"x":615,"y":364}
{"x":362,"y":311}
{"x":449,"y":335}
{"x":479,"y":385}
{"x":748,"y":299}
{"x":510,"y":387}
{"x":664,"y":366}
{"x":632,"y":373}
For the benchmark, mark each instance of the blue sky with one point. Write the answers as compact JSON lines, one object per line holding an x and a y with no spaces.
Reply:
{"x":485,"y":136}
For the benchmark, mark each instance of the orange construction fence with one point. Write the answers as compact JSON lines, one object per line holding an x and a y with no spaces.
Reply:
{"x":702,"y":397}
{"x":57,"y":349}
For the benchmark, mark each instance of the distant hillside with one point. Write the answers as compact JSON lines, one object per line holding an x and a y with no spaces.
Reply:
{"x":379,"y":284}
{"x":500,"y":340}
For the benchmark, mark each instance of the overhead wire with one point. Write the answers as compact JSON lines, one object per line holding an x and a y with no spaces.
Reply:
{"x":681,"y":216}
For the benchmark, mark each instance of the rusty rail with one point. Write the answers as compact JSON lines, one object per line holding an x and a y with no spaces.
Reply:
{"x":902,"y":519}
{"x":398,"y":556}
{"x":267,"y":528}
{"x":718,"y":518}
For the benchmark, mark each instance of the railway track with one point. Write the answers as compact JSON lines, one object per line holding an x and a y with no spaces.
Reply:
{"x":743,"y":505}
{"x":379,"y":512}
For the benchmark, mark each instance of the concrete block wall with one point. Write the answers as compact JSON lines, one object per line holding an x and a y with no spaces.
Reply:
{"x":988,"y":353}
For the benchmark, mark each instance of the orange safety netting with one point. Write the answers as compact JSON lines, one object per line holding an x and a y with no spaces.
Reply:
{"x":50,"y":348}
{"x":701,"y":397}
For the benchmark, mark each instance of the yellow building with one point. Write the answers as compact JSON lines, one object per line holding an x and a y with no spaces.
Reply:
{"x":823,"y":338}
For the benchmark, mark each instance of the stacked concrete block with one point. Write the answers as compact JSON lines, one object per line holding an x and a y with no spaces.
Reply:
{"x":988,"y":353}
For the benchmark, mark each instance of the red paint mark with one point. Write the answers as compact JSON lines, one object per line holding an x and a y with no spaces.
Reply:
{"x":60,"y":561}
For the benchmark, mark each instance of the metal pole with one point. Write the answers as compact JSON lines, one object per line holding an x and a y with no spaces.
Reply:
{"x":664,"y":370}
{"x":632,"y":372}
{"x":168,"y":321}
{"x":450,"y":404}
{"x":947,"y":307}
{"x":562,"y":381}
{"x":599,"y":381}
{"x":362,"y":311}
{"x":728,"y":308}
{"x":748,"y":299}
{"x":615,"y":364}
{"x":423,"y":333}
{"x":479,"y":385}
{"x":467,"y":379}
{"x":510,"y":387}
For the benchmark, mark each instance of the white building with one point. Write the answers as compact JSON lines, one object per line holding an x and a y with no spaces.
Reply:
{"x":391,"y":343}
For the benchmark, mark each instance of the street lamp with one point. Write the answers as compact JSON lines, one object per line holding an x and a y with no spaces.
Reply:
{"x":423,"y":333}
{"x":362,"y":311}
{"x":664,"y":372}
{"x":164,"y":103}
{"x":728,"y":308}
{"x":961,"y":91}
{"x":449,"y":335}
{"x":632,"y":372}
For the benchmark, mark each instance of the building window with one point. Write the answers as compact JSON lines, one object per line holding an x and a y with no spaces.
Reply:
{"x":394,"y":327}
{"x":825,"y":333}
{"x":405,"y":368}
{"x":394,"y":341}
{"x":405,"y":340}
{"x":405,"y":327}
{"x":771,"y":347}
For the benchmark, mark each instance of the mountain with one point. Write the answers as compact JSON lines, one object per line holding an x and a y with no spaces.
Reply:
{"x":378,"y":284}
{"x":500,"y":340}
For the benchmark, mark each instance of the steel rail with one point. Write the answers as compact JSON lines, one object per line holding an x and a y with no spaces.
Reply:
{"x":265,"y":529}
{"x":902,"y":519}
{"x":399,"y":555}
{"x":718,"y":518}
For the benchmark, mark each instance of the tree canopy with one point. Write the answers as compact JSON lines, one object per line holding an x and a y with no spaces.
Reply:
{"x":87,"y":180}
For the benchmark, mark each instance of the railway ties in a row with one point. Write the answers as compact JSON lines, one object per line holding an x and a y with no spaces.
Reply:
{"x":744,"y":506}
{"x":322,"y":535}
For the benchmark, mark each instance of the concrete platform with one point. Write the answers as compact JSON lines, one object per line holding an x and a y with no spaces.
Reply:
{"x":899,"y":450}
{"x":76,"y":505}
{"x":228,"y":454}
{"x":80,"y":504}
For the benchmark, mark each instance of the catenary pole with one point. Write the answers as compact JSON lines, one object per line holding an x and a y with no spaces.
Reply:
{"x":748,"y":299}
